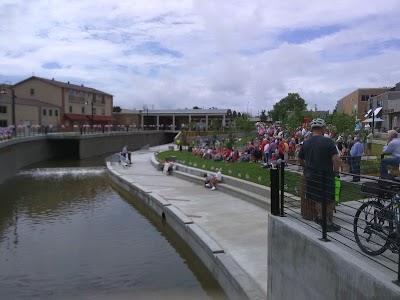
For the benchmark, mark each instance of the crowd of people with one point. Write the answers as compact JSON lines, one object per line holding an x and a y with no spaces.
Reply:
{"x":271,"y":144}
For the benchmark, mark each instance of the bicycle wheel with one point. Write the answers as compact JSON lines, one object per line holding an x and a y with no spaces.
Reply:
{"x":371,"y":228}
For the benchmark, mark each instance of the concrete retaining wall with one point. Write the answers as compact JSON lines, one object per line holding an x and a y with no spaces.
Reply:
{"x":235,"y":282}
{"x":300,"y":266}
{"x":96,"y":145}
{"x":22,"y":152}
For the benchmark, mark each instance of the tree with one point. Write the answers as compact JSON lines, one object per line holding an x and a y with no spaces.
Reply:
{"x":291,"y":103}
{"x":229,"y":113}
{"x":196,"y":107}
{"x":342,"y":122}
{"x":117,"y":109}
{"x":263,"y":117}
{"x":244,"y":124}
{"x":234,"y":114}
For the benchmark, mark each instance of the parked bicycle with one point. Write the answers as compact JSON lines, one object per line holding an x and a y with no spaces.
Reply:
{"x":377,"y":222}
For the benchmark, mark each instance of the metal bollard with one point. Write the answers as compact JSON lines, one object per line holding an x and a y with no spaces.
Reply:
{"x":282,"y":183}
{"x":274,"y":177}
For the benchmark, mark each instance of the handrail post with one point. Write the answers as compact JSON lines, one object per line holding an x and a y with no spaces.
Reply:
{"x":324,"y":208}
{"x":274,"y":180}
{"x":282,"y":181}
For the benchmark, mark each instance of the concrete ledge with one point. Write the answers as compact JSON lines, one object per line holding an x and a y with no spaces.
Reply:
{"x":244,"y":288}
{"x":190,"y":177}
{"x":256,"y":199}
{"x":236,"y":283}
{"x":178,"y":215}
{"x":237,"y":188}
{"x":155,"y":162}
{"x":204,"y":239}
{"x":157,"y":198}
{"x":319,"y":270}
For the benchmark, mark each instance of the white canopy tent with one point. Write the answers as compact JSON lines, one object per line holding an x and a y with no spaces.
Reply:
{"x":370,"y":120}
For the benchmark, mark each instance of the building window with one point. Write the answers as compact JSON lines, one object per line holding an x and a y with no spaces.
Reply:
{"x":103,"y":112}
{"x":3,"y":109}
{"x":44,"y":112}
{"x":379,"y":103}
{"x":94,"y":111}
{"x":82,"y":109}
{"x":3,"y":123}
{"x":70,"y":108}
{"x":50,"y":112}
{"x":56,"y":112}
{"x":32,"y":92}
{"x":364,"y":97}
{"x":103,"y":99}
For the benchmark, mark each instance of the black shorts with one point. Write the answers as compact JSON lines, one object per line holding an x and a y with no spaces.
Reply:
{"x":317,"y":190}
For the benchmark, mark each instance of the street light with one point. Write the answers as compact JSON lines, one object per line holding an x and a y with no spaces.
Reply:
{"x":3,"y":91}
{"x":91,"y":104}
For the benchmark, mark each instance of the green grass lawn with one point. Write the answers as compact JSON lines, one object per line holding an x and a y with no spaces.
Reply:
{"x":251,"y":172}
{"x":246,"y":171}
{"x":376,"y":149}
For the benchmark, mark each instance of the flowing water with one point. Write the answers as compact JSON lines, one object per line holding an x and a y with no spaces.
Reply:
{"x":66,"y":233}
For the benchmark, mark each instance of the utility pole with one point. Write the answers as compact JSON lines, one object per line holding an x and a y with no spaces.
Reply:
{"x":13,"y":106}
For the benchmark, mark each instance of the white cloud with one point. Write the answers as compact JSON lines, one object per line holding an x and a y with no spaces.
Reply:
{"x":226,"y":54}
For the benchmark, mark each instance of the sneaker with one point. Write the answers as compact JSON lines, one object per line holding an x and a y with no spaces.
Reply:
{"x":332,"y":227}
{"x":207,"y":185}
{"x":213,"y":188}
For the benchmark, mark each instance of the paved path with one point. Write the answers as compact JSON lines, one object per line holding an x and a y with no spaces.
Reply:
{"x":238,"y":226}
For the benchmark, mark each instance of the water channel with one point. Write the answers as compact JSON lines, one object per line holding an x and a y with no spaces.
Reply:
{"x":66,"y":233}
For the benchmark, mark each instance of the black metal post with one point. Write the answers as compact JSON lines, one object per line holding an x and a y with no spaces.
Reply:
{"x":274,"y":180}
{"x":373,"y":122}
{"x":324,"y":209}
{"x":13,"y":106}
{"x":92,"y":116}
{"x":398,"y":272}
{"x":282,"y":178}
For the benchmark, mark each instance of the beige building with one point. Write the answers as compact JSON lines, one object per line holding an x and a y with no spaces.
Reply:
{"x":78,"y":105}
{"x":28,"y":112}
{"x":357,"y":102}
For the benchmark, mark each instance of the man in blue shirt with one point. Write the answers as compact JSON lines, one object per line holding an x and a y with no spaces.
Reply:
{"x":356,"y":152}
{"x":392,"y":147}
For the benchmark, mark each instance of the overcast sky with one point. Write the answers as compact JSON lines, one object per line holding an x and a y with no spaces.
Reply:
{"x":244,"y":55}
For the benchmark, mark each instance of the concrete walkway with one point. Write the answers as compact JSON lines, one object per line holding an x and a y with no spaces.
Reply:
{"x":238,"y":226}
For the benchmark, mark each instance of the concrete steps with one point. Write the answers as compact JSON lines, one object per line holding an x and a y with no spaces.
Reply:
{"x":238,"y":190}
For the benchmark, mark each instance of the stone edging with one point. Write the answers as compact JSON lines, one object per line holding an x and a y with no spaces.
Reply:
{"x":236,"y":283}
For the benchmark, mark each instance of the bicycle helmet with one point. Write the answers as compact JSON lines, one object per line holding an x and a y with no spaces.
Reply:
{"x":317,"y":123}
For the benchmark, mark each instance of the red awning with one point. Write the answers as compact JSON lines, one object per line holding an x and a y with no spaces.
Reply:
{"x":76,"y":117}
{"x":102,"y":118}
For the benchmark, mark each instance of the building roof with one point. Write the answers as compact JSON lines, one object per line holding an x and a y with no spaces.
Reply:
{"x":185,"y":111}
{"x":128,"y":111}
{"x":25,"y":101}
{"x":66,"y":85}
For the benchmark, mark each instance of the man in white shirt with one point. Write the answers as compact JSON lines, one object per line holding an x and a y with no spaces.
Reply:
{"x":392,"y":147}
{"x":216,"y":179}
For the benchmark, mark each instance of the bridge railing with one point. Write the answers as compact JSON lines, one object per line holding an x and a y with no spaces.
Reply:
{"x":21,"y":131}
